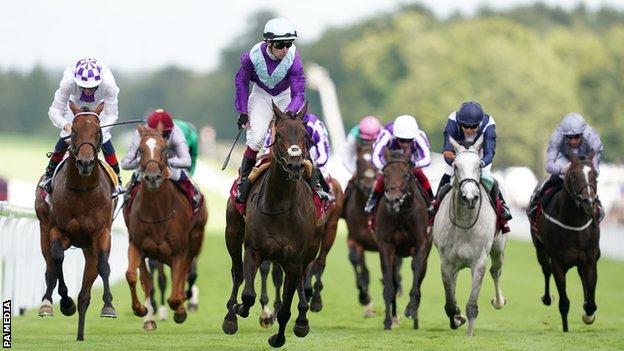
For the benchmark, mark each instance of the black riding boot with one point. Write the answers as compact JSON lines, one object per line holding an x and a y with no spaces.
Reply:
{"x":46,"y":181}
{"x":119,"y":190}
{"x":494,"y":193}
{"x":244,"y":186}
{"x":443,"y":188}
{"x":316,"y":183}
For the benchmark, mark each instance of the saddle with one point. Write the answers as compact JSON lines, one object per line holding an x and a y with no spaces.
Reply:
{"x":188,"y":191}
{"x":540,"y":203}
{"x":109,"y":171}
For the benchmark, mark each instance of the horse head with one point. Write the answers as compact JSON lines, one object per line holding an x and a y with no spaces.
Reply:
{"x":580,"y":182}
{"x":365,"y":172}
{"x":398,"y":177}
{"x":290,"y":146}
{"x":85,"y":131}
{"x":467,"y":169}
{"x":153,"y":157}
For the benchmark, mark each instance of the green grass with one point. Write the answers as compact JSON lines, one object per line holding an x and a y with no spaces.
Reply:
{"x":523,"y":324}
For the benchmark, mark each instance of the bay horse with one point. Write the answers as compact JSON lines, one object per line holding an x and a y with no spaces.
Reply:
{"x":569,"y":235}
{"x":79,"y":214}
{"x":401,"y":231}
{"x":360,"y":235}
{"x":280,"y":226}
{"x":465,"y":232}
{"x":157,"y":268}
{"x":162,"y":226}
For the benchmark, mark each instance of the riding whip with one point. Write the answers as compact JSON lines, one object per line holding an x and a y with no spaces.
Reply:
{"x":227,"y":158}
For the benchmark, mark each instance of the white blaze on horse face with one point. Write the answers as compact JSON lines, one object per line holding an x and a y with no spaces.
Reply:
{"x":151,"y":143}
{"x":369,"y":173}
{"x":586,"y":170}
{"x":468,"y":167}
{"x":294,"y":151}
{"x":367,"y":157}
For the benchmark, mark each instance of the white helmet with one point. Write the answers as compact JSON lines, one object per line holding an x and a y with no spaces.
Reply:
{"x":572,"y":124}
{"x":405,"y":127}
{"x":88,"y":73}
{"x":278,"y":29}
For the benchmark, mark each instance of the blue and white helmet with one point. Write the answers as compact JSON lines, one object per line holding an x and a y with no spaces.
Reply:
{"x":573,"y":124}
{"x":88,"y":73}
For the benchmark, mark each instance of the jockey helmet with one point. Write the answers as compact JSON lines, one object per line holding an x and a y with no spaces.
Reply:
{"x":160,"y":116}
{"x":573,"y":124}
{"x":88,"y":73}
{"x":470,"y":113}
{"x":279,"y":29}
{"x":369,"y":128}
{"x":405,"y":127}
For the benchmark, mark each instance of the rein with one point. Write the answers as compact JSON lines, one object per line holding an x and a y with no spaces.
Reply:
{"x":452,"y":209}
{"x":259,"y":194}
{"x":407,"y":179}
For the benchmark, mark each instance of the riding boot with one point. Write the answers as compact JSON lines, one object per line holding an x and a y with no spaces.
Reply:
{"x":496,"y":193}
{"x":134,"y":180}
{"x":197,"y":195}
{"x":315,"y":183}
{"x":600,"y":212}
{"x":443,"y":187}
{"x":371,"y":203}
{"x":244,"y":185}
{"x":119,"y":189}
{"x":46,"y":181}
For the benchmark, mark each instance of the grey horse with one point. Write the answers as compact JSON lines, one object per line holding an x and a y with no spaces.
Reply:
{"x":465,"y":231}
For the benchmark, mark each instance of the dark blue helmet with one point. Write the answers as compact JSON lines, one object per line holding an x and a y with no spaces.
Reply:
{"x":470,"y":113}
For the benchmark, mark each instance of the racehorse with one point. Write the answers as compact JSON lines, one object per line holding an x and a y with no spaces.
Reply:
{"x":192,"y":290}
{"x":360,"y":236}
{"x":401,"y":231}
{"x":465,"y":232}
{"x":280,"y":226}
{"x":568,"y":236}
{"x":80,"y":213}
{"x":162,"y":226}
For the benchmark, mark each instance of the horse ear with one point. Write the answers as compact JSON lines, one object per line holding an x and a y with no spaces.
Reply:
{"x":303,"y":111}
{"x":477,"y":145}
{"x":278,"y":113}
{"x":141,"y":130}
{"x":455,"y":144}
{"x":591,"y":155}
{"x":74,"y":108}
{"x":99,"y":109}
{"x":567,"y":152}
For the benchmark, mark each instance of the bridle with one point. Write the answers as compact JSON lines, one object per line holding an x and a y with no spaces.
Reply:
{"x":96,"y":148}
{"x":405,"y":184}
{"x":281,"y":157}
{"x":576,"y":194}
{"x":457,"y":186}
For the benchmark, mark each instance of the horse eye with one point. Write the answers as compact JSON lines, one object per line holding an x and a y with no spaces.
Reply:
{"x":278,"y":135}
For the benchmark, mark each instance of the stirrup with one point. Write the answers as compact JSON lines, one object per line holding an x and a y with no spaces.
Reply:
{"x":118,"y":191}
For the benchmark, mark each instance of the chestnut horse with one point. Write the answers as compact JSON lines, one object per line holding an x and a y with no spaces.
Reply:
{"x":162,"y":226}
{"x":280,"y":226}
{"x":401,"y":231}
{"x":80,"y":213}
{"x":568,"y":236}
{"x":360,"y":236}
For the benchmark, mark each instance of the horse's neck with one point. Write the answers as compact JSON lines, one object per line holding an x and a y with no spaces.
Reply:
{"x":567,"y":211}
{"x":460,"y":211}
{"x":157,"y":203}
{"x":278,"y":187}
{"x":75,"y":180}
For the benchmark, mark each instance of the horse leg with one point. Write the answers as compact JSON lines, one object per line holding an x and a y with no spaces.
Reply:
{"x":179,"y":272}
{"x":419,"y":269}
{"x":397,"y":275}
{"x":589,"y":278}
{"x":251,"y":262}
{"x":302,"y":325}
{"x":266,"y":316}
{"x":386,"y":253}
{"x":293,"y":279}
{"x":472,"y":309}
{"x":134,"y":258}
{"x":498,"y":255}
{"x":449,"y":278}
{"x":103,"y":252}
{"x":278,"y":279}
{"x":45,"y":309}
{"x":84,"y":297}
{"x":68,"y":307}
{"x":559,"y":273}
{"x":162,"y":287}
{"x":152,"y":266}
{"x":192,"y":294}
{"x":331,"y":227}
{"x":544,"y":261}
{"x":234,"y":235}
{"x":147,"y":283}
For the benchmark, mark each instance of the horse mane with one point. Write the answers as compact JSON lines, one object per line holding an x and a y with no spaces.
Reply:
{"x":148,"y":132}
{"x":397,"y":153}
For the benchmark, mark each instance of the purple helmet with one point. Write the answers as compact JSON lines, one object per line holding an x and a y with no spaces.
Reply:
{"x":88,"y":73}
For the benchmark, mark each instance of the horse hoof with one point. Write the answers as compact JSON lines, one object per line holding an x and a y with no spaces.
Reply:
{"x":395,"y":322}
{"x":229,"y":327}
{"x":68,"y":307}
{"x":266,"y":321}
{"x":277,"y":341}
{"x":369,"y":311}
{"x":415,"y":323}
{"x":179,"y":317}
{"x":149,"y":326}
{"x":410,"y":313}
{"x":399,"y":292}
{"x":45,"y":309}
{"x":241,"y":311}
{"x":193,"y":307}
{"x":140,"y":312}
{"x":364,"y":298}
{"x":301,"y":330}
{"x":316,"y":305}
{"x":497,"y":305}
{"x":589,"y":319}
{"x":547,"y":300}
{"x":108,"y":312}
{"x":458,"y":321}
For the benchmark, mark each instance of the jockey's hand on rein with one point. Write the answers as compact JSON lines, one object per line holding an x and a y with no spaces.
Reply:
{"x":243,"y":119}
{"x":289,"y":114}
{"x":449,"y":154}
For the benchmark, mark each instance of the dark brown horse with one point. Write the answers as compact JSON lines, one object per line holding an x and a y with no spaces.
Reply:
{"x":568,"y":236}
{"x":79,"y":214}
{"x":280,"y":226}
{"x":162,"y":226}
{"x":157,"y":268}
{"x":401,"y":231}
{"x":360,"y":236}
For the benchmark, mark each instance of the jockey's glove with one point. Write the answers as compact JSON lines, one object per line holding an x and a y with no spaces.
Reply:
{"x":243,"y":119}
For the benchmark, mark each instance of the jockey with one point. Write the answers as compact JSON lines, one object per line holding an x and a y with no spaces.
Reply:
{"x":86,"y":83}
{"x":178,"y":163}
{"x":319,"y":153}
{"x":191,"y":137}
{"x":466,"y":126}
{"x":366,"y":131}
{"x":403,"y":133}
{"x":276,"y":71}
{"x":572,"y":132}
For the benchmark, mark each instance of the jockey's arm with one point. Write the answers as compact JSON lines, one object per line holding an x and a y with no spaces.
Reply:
{"x":110,"y":113}
{"x":422,"y":159}
{"x":489,"y":145}
{"x":61,"y":98}
{"x":297,"y":86}
{"x":378,"y":149}
{"x":321,"y":141}
{"x":182,"y":158}
{"x":596,"y":145}
{"x":450,"y":130}
{"x":553,"y":154}
{"x":131,"y":158}
{"x":241,"y":83}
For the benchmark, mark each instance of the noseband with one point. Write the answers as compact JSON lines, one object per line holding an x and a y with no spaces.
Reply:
{"x":576,"y":194}
{"x":280,"y":157}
